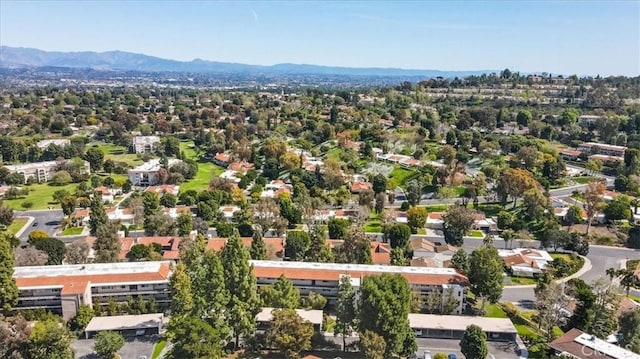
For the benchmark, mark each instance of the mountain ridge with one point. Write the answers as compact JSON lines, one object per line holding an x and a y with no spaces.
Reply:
{"x":23,"y":57}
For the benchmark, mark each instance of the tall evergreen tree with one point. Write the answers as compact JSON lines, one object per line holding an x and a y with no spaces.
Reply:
{"x":319,"y":250}
{"x":98,"y":216}
{"x":8,"y":288}
{"x":384,"y":309}
{"x":241,"y":283}
{"x":282,"y":294}
{"x":181,"y":291}
{"x":474,"y":343}
{"x":346,"y":310}
{"x":106,"y":246}
{"x":258,"y":250}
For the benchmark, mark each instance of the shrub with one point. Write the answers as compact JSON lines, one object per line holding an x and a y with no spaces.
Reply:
{"x":509,"y":308}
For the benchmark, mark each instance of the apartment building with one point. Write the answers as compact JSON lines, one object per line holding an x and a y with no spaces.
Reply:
{"x":63,"y":288}
{"x":61,"y":142}
{"x":602,"y":149}
{"x":145,"y":144}
{"x":41,"y":171}
{"x":324,"y":278}
{"x":147,"y":173}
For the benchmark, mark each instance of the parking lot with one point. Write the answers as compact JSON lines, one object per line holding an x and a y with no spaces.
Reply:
{"x":497,"y":350}
{"x":134,"y":348}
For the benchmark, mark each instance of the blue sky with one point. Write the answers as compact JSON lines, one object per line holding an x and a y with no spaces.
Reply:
{"x":571,"y":37}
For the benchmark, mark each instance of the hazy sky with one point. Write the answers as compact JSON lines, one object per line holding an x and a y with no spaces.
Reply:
{"x":572,"y":37}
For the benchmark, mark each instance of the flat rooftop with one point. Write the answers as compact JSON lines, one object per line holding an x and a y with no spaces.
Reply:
{"x":353,"y":267}
{"x":88,"y":269}
{"x":313,"y":316}
{"x":124,"y":322}
{"x":460,"y":323}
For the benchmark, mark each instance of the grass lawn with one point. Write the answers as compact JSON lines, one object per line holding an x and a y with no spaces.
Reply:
{"x":422,"y":231}
{"x":575,"y":264}
{"x":522,"y":281}
{"x":40,"y":195}
{"x":16,"y":225}
{"x":489,"y":209}
{"x":494,"y":311}
{"x":206,"y":170}
{"x":401,"y":175}
{"x":119,"y":154}
{"x":459,"y":191}
{"x":157,"y":349}
{"x":72,"y":231}
{"x":583,"y":179}
{"x":374,"y":226}
{"x":476,"y":234}
{"x":437,"y":208}
{"x":633,"y":263}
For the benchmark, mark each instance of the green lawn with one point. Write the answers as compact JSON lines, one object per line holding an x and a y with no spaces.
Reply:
{"x":522,"y":281}
{"x":583,"y":179}
{"x":633,"y":263}
{"x":119,"y":154}
{"x":422,"y":231}
{"x":401,"y":175}
{"x":206,"y":170}
{"x":374,"y":226}
{"x":72,"y":231}
{"x":489,"y":209}
{"x":476,"y":234}
{"x":437,"y":208}
{"x":458,"y":191}
{"x":157,"y":349}
{"x":494,"y":311}
{"x":16,"y":225}
{"x":40,"y":195}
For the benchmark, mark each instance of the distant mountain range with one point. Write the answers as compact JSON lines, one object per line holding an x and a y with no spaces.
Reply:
{"x":20,"y":57}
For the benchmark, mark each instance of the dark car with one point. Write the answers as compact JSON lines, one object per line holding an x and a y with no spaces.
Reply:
{"x":35,"y":224}
{"x":452,"y":356}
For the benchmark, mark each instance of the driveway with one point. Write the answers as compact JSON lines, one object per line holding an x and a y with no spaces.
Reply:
{"x":497,"y":350}
{"x":47,"y":220}
{"x":133,"y":348}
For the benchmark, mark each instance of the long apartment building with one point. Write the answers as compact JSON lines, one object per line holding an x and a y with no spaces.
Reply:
{"x":40,"y":171}
{"x":63,"y":288}
{"x":602,"y":149}
{"x":147,"y":174}
{"x":324,"y":278}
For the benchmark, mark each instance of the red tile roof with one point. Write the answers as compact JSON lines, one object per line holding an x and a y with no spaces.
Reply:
{"x":361,"y":186}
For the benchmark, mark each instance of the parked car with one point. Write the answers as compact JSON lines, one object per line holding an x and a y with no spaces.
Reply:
{"x":452,"y":356}
{"x":35,"y":224}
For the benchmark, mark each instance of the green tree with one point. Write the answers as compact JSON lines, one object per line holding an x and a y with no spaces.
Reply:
{"x":106,"y":246}
{"x":68,"y":204}
{"x":49,"y":339}
{"x":474,"y":343}
{"x":372,"y":345}
{"x":98,"y":216}
{"x":82,"y":318}
{"x":8,"y":288}
{"x":296,"y":245}
{"x":194,"y":337}
{"x":416,"y":217}
{"x":379,"y":183}
{"x":460,"y":261}
{"x":184,"y":224}
{"x":629,"y":323}
{"x":384,"y":309}
{"x":337,"y":228}
{"x":95,"y":157}
{"x":6,"y":215}
{"x":346,"y":310}
{"x":399,"y":257}
{"x":181,"y":291}
{"x":289,"y":333}
{"x":356,"y":247}
{"x":240,"y":282}
{"x":258,"y":250}
{"x":319,"y":251}
{"x":619,"y":208}
{"x":54,"y":248}
{"x":107,"y":344}
{"x":485,"y":274}
{"x":573,"y":216}
{"x":457,"y":223}
{"x":397,"y":235}
{"x":283,"y":295}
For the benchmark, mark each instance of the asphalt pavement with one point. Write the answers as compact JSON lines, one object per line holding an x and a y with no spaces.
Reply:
{"x":45,"y":220}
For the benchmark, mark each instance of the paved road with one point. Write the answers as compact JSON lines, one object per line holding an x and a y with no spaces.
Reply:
{"x":47,"y":220}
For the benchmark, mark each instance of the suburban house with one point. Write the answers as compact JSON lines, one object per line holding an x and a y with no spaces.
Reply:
{"x":170,"y":245}
{"x":147,"y":174}
{"x":107,"y":194}
{"x":380,"y":252}
{"x":41,"y":171}
{"x":357,"y":187}
{"x":434,"y":220}
{"x":406,"y":161}
{"x":62,"y":289}
{"x":569,"y":154}
{"x":580,"y":345}
{"x":242,"y":167}
{"x":145,"y":144}
{"x":438,"y":253}
{"x":276,"y":188}
{"x":481,"y":222}
{"x":525,"y":262}
{"x":61,"y":142}
{"x":228,"y":212}
{"x":222,"y":159}
{"x":165,"y":188}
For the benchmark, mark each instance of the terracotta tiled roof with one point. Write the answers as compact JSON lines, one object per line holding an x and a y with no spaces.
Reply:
{"x":518,"y":259}
{"x":435,"y":215}
{"x":165,"y":188}
{"x":423,"y":262}
{"x":222,"y":157}
{"x":274,"y":245}
{"x":241,"y":166}
{"x":82,"y":213}
{"x":74,"y":282}
{"x":361,"y":186}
